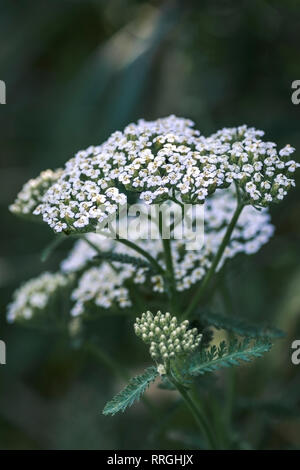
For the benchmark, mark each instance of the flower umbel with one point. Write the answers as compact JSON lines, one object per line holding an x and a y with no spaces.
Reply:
{"x":34,"y":296}
{"x":168,"y":338}
{"x":32,"y":193}
{"x":165,"y":159}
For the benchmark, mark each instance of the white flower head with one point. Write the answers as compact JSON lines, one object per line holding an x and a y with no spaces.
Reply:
{"x":34,"y":295}
{"x":265,"y":164}
{"x":32,"y":193}
{"x":157,"y":159}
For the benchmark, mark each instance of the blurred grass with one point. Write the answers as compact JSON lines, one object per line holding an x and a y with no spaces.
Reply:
{"x":77,"y":70}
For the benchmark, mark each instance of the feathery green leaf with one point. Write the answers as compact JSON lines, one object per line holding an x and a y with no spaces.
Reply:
{"x":131,"y":393}
{"x":227,"y":355}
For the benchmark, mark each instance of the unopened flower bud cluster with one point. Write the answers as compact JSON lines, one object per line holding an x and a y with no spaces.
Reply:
{"x":167,"y":337}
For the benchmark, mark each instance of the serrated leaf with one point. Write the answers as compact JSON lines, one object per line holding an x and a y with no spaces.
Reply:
{"x":131,"y":393}
{"x":227,"y":355}
{"x":239,"y":326}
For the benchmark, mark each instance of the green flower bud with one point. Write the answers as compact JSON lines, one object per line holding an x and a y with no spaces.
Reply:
{"x":169,"y":340}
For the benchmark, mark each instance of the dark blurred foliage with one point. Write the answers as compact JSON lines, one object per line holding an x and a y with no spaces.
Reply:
{"x":76,"y":70}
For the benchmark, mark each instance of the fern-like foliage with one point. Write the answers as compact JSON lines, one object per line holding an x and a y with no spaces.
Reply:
{"x":239,"y":326}
{"x":227,"y":355}
{"x":131,"y":393}
{"x":125,"y":259}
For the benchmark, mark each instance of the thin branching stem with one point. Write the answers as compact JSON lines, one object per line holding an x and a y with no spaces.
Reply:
{"x":214,"y":265}
{"x":92,"y":245}
{"x":170,"y":277}
{"x":134,"y":247}
{"x":198,"y":415}
{"x":142,"y":252}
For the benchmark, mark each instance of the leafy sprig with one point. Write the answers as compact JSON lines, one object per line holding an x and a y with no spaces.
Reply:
{"x":132,"y":392}
{"x":227,"y":355}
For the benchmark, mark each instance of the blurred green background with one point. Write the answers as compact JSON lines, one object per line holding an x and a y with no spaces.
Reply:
{"x":75,"y":71}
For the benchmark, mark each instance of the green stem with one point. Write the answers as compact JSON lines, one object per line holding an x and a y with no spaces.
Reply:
{"x":170,"y":277}
{"x":218,"y":423}
{"x":92,"y":245}
{"x":230,"y":391}
{"x":198,"y":415}
{"x":134,"y":247}
{"x":215,"y":262}
{"x":229,"y":398}
{"x":100,"y":253}
{"x":142,"y":252}
{"x":231,"y":373}
{"x":174,"y":199}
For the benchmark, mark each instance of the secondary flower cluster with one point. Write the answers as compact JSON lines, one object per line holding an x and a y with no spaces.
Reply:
{"x":32,"y":193}
{"x":34,"y":296}
{"x":163,"y":159}
{"x":102,"y":287}
{"x":263,"y":172}
{"x":168,"y":339}
{"x":101,"y":284}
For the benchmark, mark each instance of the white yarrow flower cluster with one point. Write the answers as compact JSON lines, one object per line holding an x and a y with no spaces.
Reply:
{"x":101,"y":286}
{"x":260,"y":170}
{"x":34,"y":296}
{"x":167,"y":337}
{"x":164,"y":159}
{"x":32,"y":193}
